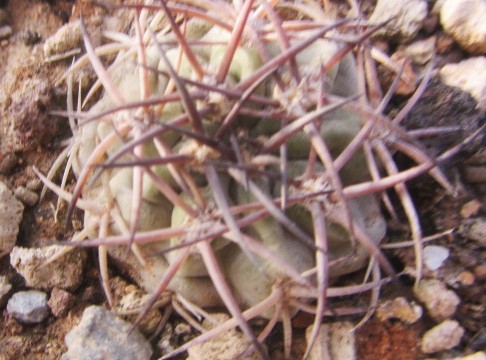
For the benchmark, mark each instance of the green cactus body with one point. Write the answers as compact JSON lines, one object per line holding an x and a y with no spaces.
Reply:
{"x":249,"y":283}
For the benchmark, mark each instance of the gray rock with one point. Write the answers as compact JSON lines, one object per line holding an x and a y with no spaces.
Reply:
{"x":10,"y":216}
{"x":5,"y":287}
{"x":465,"y":21}
{"x":101,"y":335}
{"x":468,"y":75}
{"x":50,"y":266}
{"x":407,"y":18}
{"x":442,"y":337}
{"x":29,"y":307}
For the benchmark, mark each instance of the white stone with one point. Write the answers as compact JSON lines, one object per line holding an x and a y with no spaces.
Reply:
{"x":50,"y":266}
{"x":29,"y":307}
{"x":442,"y":337}
{"x":441,"y":303}
{"x":465,"y":20}
{"x":434,"y":256}
{"x":468,"y":75}
{"x":407,"y":18}
{"x":10,"y":216}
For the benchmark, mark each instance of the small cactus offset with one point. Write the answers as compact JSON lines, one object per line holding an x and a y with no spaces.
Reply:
{"x":242,"y":156}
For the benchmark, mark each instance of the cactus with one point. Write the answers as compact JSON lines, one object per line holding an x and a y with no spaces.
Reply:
{"x":240,"y":160}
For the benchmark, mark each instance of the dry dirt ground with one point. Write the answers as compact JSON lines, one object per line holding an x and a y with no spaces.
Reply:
{"x":34,"y":88}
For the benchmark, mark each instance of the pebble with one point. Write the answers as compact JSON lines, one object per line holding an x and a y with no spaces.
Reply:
{"x":27,"y":196}
{"x":470,"y":209}
{"x":475,"y":229}
{"x":408,"y":16}
{"x":60,"y":302}
{"x":334,"y":341}
{"x":480,"y":272}
{"x":408,"y":81}
{"x":434,"y":256}
{"x":442,"y":337}
{"x":5,"y":288}
{"x":481,"y":355}
{"x":29,"y":307}
{"x":466,"y":278}
{"x":465,"y":21}
{"x":5,"y":32}
{"x":101,"y":332}
{"x":227,"y":345}
{"x":399,"y":308}
{"x":421,"y":51}
{"x":65,"y":272}
{"x":67,"y":38}
{"x":470,"y":76}
{"x":128,"y":298}
{"x":10,"y":216}
{"x":441,"y":303}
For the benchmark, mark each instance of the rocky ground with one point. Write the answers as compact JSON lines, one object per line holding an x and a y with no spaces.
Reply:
{"x":444,"y":318}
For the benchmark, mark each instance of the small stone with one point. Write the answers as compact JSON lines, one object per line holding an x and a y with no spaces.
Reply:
{"x":408,"y":81}
{"x":475,"y":229}
{"x":67,"y":38}
{"x":406,"y":17}
{"x":480,"y":272}
{"x":28,"y":197}
{"x":128,"y":298}
{"x":466,"y":278}
{"x":50,"y":266}
{"x":5,"y":288}
{"x":421,"y":51}
{"x":470,"y":209}
{"x":227,"y":345}
{"x":434,"y":256}
{"x":481,"y":355}
{"x":399,"y":308}
{"x":334,"y":341}
{"x":60,"y":302}
{"x":5,"y":31}
{"x":29,"y":307}
{"x":468,"y":75}
{"x":10,"y":216}
{"x":464,"y":20}
{"x":441,"y":303}
{"x":442,"y":337}
{"x":102,"y":335}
